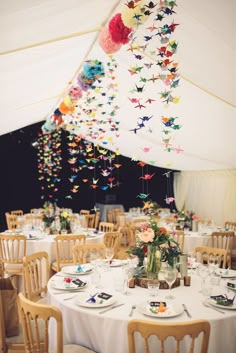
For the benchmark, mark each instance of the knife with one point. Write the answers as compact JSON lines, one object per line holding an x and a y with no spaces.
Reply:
{"x":186,"y":310}
{"x":111,"y":307}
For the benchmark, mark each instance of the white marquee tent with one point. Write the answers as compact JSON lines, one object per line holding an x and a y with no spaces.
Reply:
{"x":44,"y":44}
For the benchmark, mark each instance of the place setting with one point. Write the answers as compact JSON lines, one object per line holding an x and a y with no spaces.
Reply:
{"x":96,"y":300}
{"x":78,"y":270}
{"x":225,"y":273}
{"x":222,"y":301}
{"x":68,"y":283}
{"x":160,"y":309}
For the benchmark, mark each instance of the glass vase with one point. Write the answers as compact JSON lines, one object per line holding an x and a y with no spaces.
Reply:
{"x":153,"y":261}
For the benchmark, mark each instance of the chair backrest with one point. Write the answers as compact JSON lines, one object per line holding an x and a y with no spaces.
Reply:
{"x":85,"y":252}
{"x":178,"y":236}
{"x":40,"y":314}
{"x":84,"y":212}
{"x":36,"y":275}
{"x":17,"y":212}
{"x":203,"y":254}
{"x":223,"y":240}
{"x":174,"y":331}
{"x":64,"y":248}
{"x":89,"y":220}
{"x":106,"y":226}
{"x":131,"y":232}
{"x":12,"y":222}
{"x":12,"y":249}
{"x":230,"y":226}
{"x":97,"y":219}
{"x":113,"y":240}
{"x":110,"y":216}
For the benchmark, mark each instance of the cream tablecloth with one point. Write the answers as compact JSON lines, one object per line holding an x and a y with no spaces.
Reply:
{"x":107,"y":333}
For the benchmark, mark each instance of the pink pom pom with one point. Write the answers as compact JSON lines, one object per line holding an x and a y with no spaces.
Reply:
{"x":119,"y":32}
{"x":106,"y":42}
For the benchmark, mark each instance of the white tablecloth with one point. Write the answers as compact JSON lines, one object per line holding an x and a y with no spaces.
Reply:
{"x":107,"y":333}
{"x":192,"y":239}
{"x":45,"y":242}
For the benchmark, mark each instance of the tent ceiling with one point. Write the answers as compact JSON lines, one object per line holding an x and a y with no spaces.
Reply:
{"x":44,"y":44}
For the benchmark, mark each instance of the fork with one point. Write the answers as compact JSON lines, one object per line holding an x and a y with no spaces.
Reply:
{"x":132,"y":309}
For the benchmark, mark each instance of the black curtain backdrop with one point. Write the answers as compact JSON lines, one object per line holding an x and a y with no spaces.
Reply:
{"x":20,"y":187}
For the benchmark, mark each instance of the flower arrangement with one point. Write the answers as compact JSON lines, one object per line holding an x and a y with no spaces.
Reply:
{"x":185,"y":218}
{"x":64,"y":220}
{"x":48,"y":213}
{"x":155,"y":243}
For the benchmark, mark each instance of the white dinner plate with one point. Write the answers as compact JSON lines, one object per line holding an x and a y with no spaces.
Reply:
{"x":229,"y":307}
{"x":59,"y":283}
{"x":173,"y":309}
{"x":100,"y":303}
{"x":231,"y":288}
{"x":72,"y":270}
{"x":225,"y":273}
{"x":117,"y":263}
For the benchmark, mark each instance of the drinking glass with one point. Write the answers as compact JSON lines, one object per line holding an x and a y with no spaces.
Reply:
{"x":109,"y":254}
{"x":170,"y":275}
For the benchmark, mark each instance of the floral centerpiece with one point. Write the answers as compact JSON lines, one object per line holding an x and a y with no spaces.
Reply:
{"x":48,"y":214}
{"x":65,"y":221}
{"x":155,"y":243}
{"x":185,"y":218}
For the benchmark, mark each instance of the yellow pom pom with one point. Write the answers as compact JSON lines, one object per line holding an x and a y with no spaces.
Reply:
{"x":132,"y":18}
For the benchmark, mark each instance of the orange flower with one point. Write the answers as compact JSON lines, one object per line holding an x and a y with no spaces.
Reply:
{"x":162,"y":231}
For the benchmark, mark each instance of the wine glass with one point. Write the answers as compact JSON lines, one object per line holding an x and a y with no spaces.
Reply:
{"x":109,"y":254}
{"x":170,"y":275}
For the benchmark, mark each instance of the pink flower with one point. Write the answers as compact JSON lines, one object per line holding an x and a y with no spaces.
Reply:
{"x":195,"y":217}
{"x":147,"y":236}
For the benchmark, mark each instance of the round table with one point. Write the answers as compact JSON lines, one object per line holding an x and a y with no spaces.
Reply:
{"x":107,"y":332}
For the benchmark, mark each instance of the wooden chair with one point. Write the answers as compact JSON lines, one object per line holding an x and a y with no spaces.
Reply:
{"x":36,"y":275}
{"x":12,"y":251}
{"x":17,"y":212}
{"x":97,"y":219}
{"x":84,"y":212}
{"x":110,"y":216}
{"x":113,"y":240}
{"x":230,"y":226}
{"x":224,"y":240}
{"x":84,"y":252}
{"x":10,"y":344}
{"x":203,"y":253}
{"x":12,"y":222}
{"x":175,"y":332}
{"x":131,"y":229}
{"x":89,"y":220}
{"x":64,"y":246}
{"x":178,"y":236}
{"x":106,"y":226}
{"x":41,"y":314}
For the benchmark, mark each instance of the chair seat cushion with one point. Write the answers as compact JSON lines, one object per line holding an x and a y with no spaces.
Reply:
{"x":74,"y":348}
{"x":16,"y":339}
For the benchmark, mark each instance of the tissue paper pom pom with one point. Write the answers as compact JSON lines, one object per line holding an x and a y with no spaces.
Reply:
{"x":93,"y":69}
{"x":57,"y":112}
{"x":119,"y":32}
{"x":84,"y":82}
{"x":75,"y":93}
{"x":133,"y":17}
{"x":106,"y":42}
{"x":64,"y":109}
{"x":48,"y":126}
{"x":58,"y":120}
